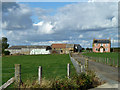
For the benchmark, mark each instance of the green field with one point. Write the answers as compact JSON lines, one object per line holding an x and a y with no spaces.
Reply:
{"x":102,"y":57}
{"x":52,"y":66}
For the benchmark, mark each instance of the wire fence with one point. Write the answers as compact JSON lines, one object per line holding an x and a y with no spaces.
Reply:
{"x":106,"y":60}
{"x":30,"y":72}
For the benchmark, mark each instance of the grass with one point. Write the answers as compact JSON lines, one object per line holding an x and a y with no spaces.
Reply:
{"x":103,"y":56}
{"x":52,"y":65}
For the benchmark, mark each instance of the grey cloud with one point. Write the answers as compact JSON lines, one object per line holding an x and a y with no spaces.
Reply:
{"x":87,"y":16}
{"x":18,"y":18}
{"x":6,"y":5}
{"x":92,"y":20}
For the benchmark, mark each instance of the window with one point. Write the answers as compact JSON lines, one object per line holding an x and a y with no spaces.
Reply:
{"x":106,"y":44}
{"x":101,"y":44}
{"x":96,"y":44}
{"x":96,"y":49}
{"x":106,"y":49}
{"x":60,"y":48}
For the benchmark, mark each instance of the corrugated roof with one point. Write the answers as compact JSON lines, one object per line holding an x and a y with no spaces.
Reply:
{"x":69,"y":45}
{"x":101,"y":41}
{"x":33,"y":46}
{"x":58,"y":45}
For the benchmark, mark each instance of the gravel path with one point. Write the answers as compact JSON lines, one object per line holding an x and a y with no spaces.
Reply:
{"x":105,"y":72}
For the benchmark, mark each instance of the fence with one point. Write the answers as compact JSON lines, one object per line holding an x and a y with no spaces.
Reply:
{"x":16,"y":72}
{"x":17,"y":76}
{"x":80,"y":67}
{"x":107,"y":60}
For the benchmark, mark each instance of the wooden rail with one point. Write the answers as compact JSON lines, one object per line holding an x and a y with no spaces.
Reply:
{"x":5,"y":85}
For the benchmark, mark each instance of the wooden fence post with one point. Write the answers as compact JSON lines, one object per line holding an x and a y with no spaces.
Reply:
{"x":17,"y":74}
{"x":107,"y":61}
{"x":117,"y":63}
{"x":86,"y":64}
{"x":68,"y":70}
{"x":98,"y":59}
{"x":113,"y":62}
{"x":82,"y":68}
{"x":110,"y":62}
{"x":39,"y":75}
{"x":104,"y":60}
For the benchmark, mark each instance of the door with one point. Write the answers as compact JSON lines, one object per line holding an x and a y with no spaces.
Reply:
{"x":101,"y":50}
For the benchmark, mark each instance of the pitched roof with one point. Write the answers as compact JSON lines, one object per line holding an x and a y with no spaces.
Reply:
{"x":16,"y":47}
{"x":69,"y":45}
{"x":32,"y":46}
{"x":58,"y":45}
{"x":101,"y":41}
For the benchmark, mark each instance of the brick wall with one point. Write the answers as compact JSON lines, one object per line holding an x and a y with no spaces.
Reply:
{"x":99,"y":45}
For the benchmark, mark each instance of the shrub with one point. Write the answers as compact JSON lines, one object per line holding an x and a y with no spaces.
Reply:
{"x":6,"y":53}
{"x":83,"y":82}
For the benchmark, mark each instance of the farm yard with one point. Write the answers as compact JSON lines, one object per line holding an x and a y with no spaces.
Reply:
{"x":52,"y":66}
{"x":102,"y":58}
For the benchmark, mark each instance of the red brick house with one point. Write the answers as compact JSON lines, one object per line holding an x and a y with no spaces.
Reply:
{"x":61,"y":48}
{"x":101,"y":45}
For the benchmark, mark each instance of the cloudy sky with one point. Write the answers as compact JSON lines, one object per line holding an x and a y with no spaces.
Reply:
{"x":44,"y":23}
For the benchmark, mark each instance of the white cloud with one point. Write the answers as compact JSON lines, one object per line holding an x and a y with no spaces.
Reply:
{"x":38,"y":24}
{"x":45,"y":28}
{"x":75,"y":23}
{"x":100,"y":36}
{"x":92,"y":16}
{"x":118,"y":36}
{"x":80,"y":36}
{"x":4,"y":25}
{"x":103,"y":0}
{"x":49,"y":42}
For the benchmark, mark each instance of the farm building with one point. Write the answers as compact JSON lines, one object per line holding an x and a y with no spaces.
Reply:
{"x":101,"y":45}
{"x":58,"y":48}
{"x":77,"y":48}
{"x":65,"y":48}
{"x":69,"y":47}
{"x":28,"y":50}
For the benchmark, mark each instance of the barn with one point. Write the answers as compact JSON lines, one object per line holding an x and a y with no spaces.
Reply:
{"x":28,"y":50}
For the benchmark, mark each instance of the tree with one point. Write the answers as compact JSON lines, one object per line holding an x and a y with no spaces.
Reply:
{"x":48,"y":48}
{"x":0,"y":47}
{"x":5,"y":45}
{"x":83,"y":48}
{"x":87,"y":48}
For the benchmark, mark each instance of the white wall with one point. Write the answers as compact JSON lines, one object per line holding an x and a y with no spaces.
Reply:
{"x":13,"y":51}
{"x":39,"y":51}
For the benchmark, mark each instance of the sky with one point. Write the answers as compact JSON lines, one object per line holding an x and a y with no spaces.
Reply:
{"x":44,"y":23}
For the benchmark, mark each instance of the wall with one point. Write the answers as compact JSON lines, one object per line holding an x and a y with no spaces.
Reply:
{"x":14,"y":51}
{"x":99,"y":45}
{"x":28,"y":51}
{"x":39,"y":51}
